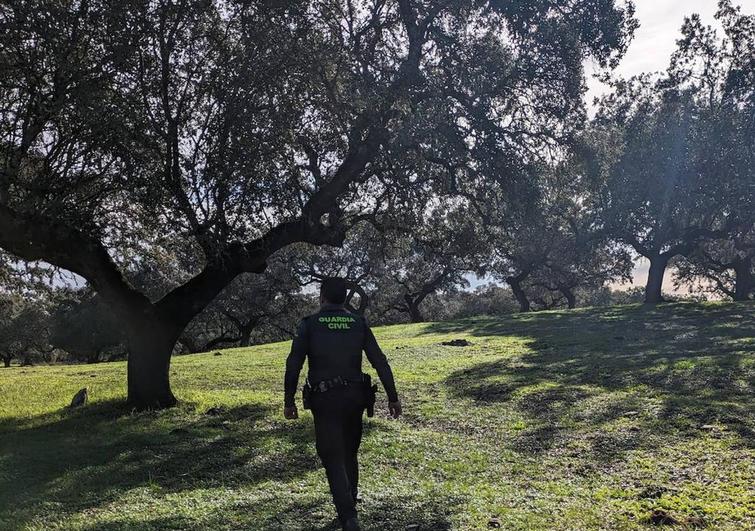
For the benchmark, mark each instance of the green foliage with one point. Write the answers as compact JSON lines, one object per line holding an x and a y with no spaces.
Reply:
{"x":431,"y":257}
{"x":160,"y":150}
{"x":23,"y":328}
{"x":84,"y":327}
{"x":587,"y":419}
{"x":682,"y":168}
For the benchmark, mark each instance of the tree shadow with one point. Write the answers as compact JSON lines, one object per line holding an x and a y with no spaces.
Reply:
{"x":90,"y":457}
{"x":182,"y":523}
{"x":288,"y":518}
{"x":430,"y":513}
{"x":620,"y":378}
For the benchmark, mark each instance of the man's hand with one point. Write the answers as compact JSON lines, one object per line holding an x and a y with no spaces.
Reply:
{"x":290,"y":412}
{"x":395,"y":409}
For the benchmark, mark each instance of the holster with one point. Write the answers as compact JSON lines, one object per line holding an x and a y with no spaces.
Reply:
{"x":370,"y":392}
{"x":306,"y":395}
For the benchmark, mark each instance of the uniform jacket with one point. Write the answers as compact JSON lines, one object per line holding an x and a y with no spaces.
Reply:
{"x":332,"y":340}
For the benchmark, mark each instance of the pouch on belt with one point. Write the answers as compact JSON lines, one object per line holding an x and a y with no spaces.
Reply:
{"x":371,"y":392}
{"x":306,"y":395}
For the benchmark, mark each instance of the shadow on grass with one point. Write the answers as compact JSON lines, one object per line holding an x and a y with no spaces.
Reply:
{"x":430,"y":511}
{"x":621,"y":378}
{"x":284,"y":519}
{"x":430,"y":514}
{"x":93,"y":456}
{"x":147,"y":524}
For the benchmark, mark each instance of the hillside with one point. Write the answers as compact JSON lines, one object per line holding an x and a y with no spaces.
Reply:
{"x":616,"y":418}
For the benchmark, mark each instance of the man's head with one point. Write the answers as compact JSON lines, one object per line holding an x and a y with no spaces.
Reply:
{"x":333,"y":290}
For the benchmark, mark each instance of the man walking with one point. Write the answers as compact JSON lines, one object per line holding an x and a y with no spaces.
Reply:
{"x":333,"y":340}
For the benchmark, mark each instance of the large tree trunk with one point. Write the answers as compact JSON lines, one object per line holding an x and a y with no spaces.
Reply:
{"x":415,"y":314}
{"x":653,"y":288}
{"x":150,"y":349}
{"x":744,"y":284}
{"x":189,"y":345}
{"x":571,"y":300}
{"x":412,"y":306}
{"x":246,"y":336}
{"x":519,"y":294}
{"x":6,"y":362}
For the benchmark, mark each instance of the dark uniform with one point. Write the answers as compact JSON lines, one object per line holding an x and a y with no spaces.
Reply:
{"x":333,"y":340}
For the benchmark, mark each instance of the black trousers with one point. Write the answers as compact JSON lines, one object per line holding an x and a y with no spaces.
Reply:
{"x":338,"y":432}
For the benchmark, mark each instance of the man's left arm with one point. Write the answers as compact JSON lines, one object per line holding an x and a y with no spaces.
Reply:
{"x":294,"y":363}
{"x":378,"y":360}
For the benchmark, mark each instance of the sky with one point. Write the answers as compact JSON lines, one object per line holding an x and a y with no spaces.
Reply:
{"x":655,"y":39}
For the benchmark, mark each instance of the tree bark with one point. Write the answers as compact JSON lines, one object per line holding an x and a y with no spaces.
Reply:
{"x":246,"y":336}
{"x":6,"y":362}
{"x":744,"y":284}
{"x":519,"y":294}
{"x":188,"y":345}
{"x":412,"y":306}
{"x":150,"y":349}
{"x":653,"y":288}
{"x":571,"y":300}
{"x":415,"y":314}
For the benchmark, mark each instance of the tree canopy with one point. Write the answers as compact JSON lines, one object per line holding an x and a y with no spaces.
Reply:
{"x":220,"y":132}
{"x":682,"y":169}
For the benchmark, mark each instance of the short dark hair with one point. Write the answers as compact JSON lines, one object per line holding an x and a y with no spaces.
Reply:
{"x":333,"y":289}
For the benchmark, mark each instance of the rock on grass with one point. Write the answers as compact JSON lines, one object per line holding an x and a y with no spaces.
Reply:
{"x":80,"y":398}
{"x":661,"y":517}
{"x":456,"y":343}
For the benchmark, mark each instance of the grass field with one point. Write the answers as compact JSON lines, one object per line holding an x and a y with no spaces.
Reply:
{"x":623,"y":418}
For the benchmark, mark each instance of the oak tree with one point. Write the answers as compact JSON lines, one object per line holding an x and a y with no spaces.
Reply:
{"x":223,"y":131}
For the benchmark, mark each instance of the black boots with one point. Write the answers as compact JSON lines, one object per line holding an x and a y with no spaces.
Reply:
{"x":352,"y":524}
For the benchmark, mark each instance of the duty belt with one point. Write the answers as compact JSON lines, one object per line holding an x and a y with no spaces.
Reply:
{"x":330,"y":383}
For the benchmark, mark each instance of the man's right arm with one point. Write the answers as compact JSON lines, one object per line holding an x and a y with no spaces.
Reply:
{"x":294,"y":363}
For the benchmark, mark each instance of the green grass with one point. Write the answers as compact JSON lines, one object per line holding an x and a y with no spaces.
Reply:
{"x":586,"y":419}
